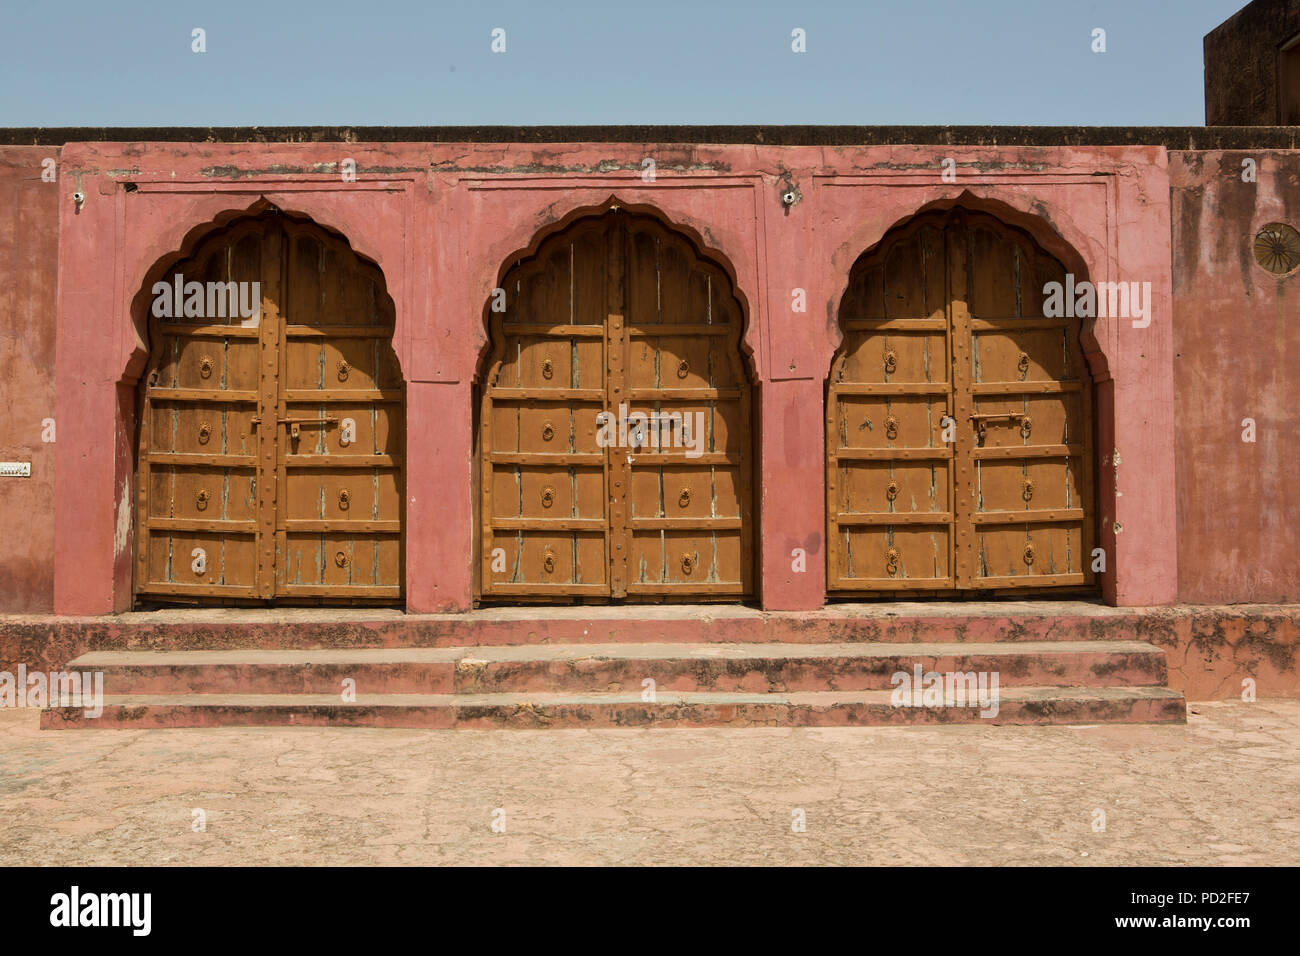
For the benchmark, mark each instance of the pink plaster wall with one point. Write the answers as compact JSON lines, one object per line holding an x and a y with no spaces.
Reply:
{"x":1237,"y":342}
{"x":29,"y":248}
{"x":443,"y":220}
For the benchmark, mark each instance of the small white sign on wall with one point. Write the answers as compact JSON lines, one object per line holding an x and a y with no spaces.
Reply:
{"x":15,"y":469}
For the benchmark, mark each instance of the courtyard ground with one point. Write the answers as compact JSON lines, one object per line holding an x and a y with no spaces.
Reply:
{"x":1224,"y":789}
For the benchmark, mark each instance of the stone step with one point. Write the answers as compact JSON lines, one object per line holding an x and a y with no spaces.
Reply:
{"x":308,"y":628}
{"x":1016,"y":705}
{"x":582,"y":668}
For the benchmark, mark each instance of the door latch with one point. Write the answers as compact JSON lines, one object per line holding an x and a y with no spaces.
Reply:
{"x":294,"y":424}
{"x":983,"y":419}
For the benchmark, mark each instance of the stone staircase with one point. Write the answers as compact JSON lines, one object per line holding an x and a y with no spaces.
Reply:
{"x":582,"y":667}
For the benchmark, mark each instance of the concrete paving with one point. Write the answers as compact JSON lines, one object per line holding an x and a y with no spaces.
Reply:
{"x":1222,"y":789}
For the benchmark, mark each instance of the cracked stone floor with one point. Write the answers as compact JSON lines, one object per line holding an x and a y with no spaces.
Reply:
{"x":1224,"y":789}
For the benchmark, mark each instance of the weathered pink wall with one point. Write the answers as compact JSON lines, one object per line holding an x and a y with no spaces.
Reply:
{"x":1237,"y":347}
{"x":29,"y":259}
{"x":443,"y":220}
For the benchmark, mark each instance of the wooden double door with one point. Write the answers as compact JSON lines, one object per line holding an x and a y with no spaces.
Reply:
{"x":959,"y":429}
{"x":615,"y":440}
{"x":271,"y":443}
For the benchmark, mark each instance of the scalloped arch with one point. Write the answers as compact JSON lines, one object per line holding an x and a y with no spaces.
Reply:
{"x":709,"y":254}
{"x":192,"y":241}
{"x":1036,"y":225}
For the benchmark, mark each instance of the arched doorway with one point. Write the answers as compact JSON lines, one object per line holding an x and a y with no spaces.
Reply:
{"x":959,"y":418}
{"x":272,"y":424}
{"x":614,"y":434}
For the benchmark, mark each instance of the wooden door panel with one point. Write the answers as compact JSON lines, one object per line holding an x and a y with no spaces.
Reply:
{"x":197,"y":483}
{"x":701,"y":491}
{"x":896,"y":422}
{"x":209,"y":363}
{"x":338,"y":564}
{"x":1027,"y":484}
{"x":227,"y":561}
{"x":549,"y":558}
{"x":311,"y":518}
{"x":689,"y":557}
{"x":357,"y":564}
{"x":922,"y":553}
{"x":945,"y":318}
{"x":543,"y":362}
{"x":889,"y":469}
{"x":1032,"y":555}
{"x":999,"y":262}
{"x":343,"y":539}
{"x":543,"y":473}
{"x":1054,"y":419}
{"x":641,"y":277}
{"x":304,"y":364}
{"x":546,"y":493}
{"x":521,"y":557}
{"x":240,"y":372}
{"x":1054,"y":483}
{"x":864,"y":359}
{"x":214,"y":428}
{"x":647,"y":560}
{"x":1001,"y":551}
{"x":615,"y":315}
{"x":203,"y":493}
{"x":677,"y":562}
{"x":675,"y":361}
{"x":893,"y":487}
{"x":893,"y":557}
{"x":725,"y":431}
{"x":544,"y":429}
{"x":998,"y":356}
{"x":351,"y":362}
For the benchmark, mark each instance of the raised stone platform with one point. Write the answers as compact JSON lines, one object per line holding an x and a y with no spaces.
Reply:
{"x":1055,"y":662}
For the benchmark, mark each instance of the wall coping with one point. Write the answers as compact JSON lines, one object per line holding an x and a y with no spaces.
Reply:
{"x":1171,"y":137}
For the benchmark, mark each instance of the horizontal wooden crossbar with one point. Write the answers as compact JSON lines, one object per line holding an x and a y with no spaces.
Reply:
{"x":892,"y":518}
{"x":345,"y":526}
{"x":1028,"y":517}
{"x":184,"y":459}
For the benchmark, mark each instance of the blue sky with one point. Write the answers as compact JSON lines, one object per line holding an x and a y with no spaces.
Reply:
{"x":384,"y":62}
